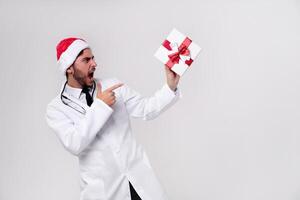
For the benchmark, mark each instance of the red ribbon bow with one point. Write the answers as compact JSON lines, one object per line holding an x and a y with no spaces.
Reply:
{"x":175,"y":57}
{"x":182,"y":50}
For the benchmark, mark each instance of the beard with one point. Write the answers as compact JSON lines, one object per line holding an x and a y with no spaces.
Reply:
{"x":79,"y":77}
{"x":82,"y":78}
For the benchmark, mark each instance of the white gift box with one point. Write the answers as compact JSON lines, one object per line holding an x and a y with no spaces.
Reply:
{"x":177,"y":52}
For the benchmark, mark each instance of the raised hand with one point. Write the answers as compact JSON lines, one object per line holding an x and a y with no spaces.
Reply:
{"x":108,"y":95}
{"x":172,"y":78}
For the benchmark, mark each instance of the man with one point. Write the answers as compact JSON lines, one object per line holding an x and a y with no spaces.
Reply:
{"x":91,"y":119}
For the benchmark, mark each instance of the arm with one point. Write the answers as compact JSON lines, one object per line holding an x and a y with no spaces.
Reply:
{"x":76,"y":137}
{"x":149,"y":108}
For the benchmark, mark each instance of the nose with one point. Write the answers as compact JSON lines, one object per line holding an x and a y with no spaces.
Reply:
{"x":94,"y":64}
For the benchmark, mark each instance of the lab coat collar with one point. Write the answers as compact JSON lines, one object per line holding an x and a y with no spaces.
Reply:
{"x":72,"y":95}
{"x":75,"y":92}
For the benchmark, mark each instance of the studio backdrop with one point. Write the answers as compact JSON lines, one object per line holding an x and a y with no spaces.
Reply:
{"x":234,"y":134}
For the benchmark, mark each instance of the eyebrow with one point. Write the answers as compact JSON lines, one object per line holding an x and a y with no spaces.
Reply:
{"x":87,"y":58}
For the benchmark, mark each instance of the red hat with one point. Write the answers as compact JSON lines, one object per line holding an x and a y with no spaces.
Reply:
{"x":67,"y":50}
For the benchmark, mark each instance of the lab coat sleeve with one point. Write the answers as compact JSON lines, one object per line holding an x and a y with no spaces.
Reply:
{"x":76,"y":137}
{"x":148,"y":108}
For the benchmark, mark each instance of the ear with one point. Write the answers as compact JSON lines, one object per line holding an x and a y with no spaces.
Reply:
{"x":70,"y":70}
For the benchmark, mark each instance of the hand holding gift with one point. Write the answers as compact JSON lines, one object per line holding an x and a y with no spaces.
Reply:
{"x":177,"y":52}
{"x":172,"y":78}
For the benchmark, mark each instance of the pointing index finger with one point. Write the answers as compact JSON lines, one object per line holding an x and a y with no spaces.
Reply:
{"x":114,"y":87}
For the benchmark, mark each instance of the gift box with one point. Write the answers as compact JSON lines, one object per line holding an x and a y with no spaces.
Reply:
{"x":177,"y":52}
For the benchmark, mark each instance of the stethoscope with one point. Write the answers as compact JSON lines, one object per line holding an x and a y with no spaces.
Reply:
{"x":63,"y":98}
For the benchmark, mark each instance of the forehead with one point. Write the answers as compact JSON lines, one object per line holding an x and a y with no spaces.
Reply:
{"x":86,"y":53}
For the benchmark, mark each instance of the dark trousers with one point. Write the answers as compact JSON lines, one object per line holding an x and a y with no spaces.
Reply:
{"x":133,"y":194}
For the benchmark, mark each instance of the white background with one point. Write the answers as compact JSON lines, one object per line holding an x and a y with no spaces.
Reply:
{"x":233,"y":136}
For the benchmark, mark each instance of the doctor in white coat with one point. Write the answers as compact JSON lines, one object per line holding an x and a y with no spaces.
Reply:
{"x":91,"y":118}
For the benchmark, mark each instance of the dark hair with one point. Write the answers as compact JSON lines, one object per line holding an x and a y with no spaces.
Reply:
{"x":80,"y":53}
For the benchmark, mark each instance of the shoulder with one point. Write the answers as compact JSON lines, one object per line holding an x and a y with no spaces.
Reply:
{"x":54,"y":104}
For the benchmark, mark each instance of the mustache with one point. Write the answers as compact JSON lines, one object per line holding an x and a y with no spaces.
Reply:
{"x":92,"y":70}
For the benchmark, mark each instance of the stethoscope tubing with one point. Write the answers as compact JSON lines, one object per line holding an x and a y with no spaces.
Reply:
{"x":62,"y":97}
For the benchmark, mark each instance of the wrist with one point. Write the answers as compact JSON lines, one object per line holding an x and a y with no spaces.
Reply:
{"x":172,"y":87}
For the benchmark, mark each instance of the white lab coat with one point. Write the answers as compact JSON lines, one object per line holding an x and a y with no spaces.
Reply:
{"x":109,"y":155}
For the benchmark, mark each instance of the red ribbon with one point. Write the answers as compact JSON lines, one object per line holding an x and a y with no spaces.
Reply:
{"x":182,"y":50}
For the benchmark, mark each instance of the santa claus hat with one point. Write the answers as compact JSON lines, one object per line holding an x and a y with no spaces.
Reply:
{"x":67,"y":51}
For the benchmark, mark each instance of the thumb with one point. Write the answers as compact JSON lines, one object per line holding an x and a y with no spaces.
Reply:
{"x":99,"y":87}
{"x":168,"y":70}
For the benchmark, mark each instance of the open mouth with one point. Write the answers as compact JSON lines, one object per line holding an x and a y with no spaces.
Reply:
{"x":91,"y":75}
